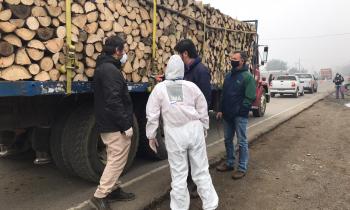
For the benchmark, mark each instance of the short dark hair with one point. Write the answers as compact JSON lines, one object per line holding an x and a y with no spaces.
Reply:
{"x":243,"y":55}
{"x":187,"y":45}
{"x":112,"y":44}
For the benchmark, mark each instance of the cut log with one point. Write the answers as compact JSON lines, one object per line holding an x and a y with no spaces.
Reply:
{"x":89,"y":7}
{"x":90,"y":62}
{"x":128,"y":68}
{"x":7,"y":61}
{"x":98,"y":46}
{"x":91,"y":28}
{"x":27,"y":2}
{"x":15,"y":73}
{"x":6,"y":49}
{"x":106,"y":25}
{"x":77,"y":9}
{"x":52,"y":3}
{"x":46,"y":64}
{"x":92,"y":17}
{"x":22,"y":57}
{"x":61,"y":32}
{"x":89,"y":50}
{"x":15,"y":2}
{"x":25,"y":34}
{"x":20,"y":11}
{"x":36,"y":44}
{"x":13,"y":39}
{"x":55,"y":58}
{"x":80,"y":68}
{"x":45,"y":33}
{"x":54,"y":45}
{"x":39,"y":12}
{"x":34,"y":69}
{"x":54,"y":11}
{"x":90,"y":72}
{"x":35,"y":54}
{"x":117,"y":27}
{"x":80,"y":77}
{"x":79,"y":21}
{"x":45,"y":21}
{"x":54,"y":74}
{"x":7,"y":27}
{"x":136,"y":77}
{"x":93,"y":38}
{"x":5,"y":15}
{"x":32,"y":23}
{"x":19,"y":23}
{"x":79,"y":47}
{"x":42,"y":76}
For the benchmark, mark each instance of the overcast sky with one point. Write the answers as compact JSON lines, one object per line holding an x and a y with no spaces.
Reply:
{"x":317,"y":31}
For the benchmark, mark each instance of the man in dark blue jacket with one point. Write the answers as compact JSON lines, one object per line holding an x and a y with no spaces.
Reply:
{"x":198,"y":73}
{"x":238,"y":94}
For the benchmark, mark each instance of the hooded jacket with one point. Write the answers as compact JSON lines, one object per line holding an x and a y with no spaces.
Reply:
{"x":238,"y":94}
{"x":178,"y":101}
{"x":113,"y":105}
{"x":199,"y":74}
{"x":338,"y":79}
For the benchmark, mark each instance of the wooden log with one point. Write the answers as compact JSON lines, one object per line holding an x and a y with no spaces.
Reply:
{"x":13,"y":40}
{"x":45,"y":33}
{"x":27,"y":2}
{"x":5,"y":15}
{"x":54,"y":74}
{"x":34,"y":69}
{"x":136,"y":77}
{"x":15,"y":73}
{"x":20,"y":11}
{"x":128,"y":68}
{"x":89,"y":50}
{"x":90,"y":72}
{"x":80,"y":21}
{"x":25,"y":34}
{"x":42,"y":76}
{"x":35,"y":54}
{"x":36,"y":44}
{"x":80,"y":77}
{"x":92,"y":17}
{"x":106,"y":25}
{"x":19,"y":23}
{"x":79,"y":47}
{"x":77,"y":8}
{"x":32,"y":23}
{"x":39,"y":12}
{"x":7,"y":61}
{"x":14,"y":2}
{"x":61,"y":32}
{"x":89,"y":6}
{"x":98,"y":46}
{"x":46,"y":63}
{"x":90,"y":62}
{"x":22,"y":57}
{"x":6,"y":49}
{"x":7,"y":27}
{"x":54,"y":45}
{"x":91,"y":28}
{"x":54,"y":11}
{"x":45,"y":21}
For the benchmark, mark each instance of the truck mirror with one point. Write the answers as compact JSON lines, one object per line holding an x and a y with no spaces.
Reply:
{"x":265,"y":55}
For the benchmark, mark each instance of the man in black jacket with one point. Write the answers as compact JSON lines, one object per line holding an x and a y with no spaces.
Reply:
{"x":198,"y":73}
{"x":338,"y":81}
{"x":114,"y":120}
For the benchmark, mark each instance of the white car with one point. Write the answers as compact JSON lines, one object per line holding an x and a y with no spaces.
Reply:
{"x":309,"y":82}
{"x":287,"y":84}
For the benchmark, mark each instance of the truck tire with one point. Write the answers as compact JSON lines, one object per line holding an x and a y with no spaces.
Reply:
{"x":312,"y":90}
{"x":262,"y":108}
{"x":56,"y":145}
{"x":84,"y":147}
{"x":296,"y":94}
{"x":161,"y":150}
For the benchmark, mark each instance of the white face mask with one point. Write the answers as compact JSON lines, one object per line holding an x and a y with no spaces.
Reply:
{"x":124,"y":59}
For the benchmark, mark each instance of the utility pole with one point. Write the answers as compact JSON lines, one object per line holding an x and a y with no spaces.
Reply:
{"x":299,"y":64}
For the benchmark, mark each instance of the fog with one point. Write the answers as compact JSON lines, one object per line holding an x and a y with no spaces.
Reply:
{"x":315,"y":31}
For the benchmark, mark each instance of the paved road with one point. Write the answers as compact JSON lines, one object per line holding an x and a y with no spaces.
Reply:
{"x":25,"y":186}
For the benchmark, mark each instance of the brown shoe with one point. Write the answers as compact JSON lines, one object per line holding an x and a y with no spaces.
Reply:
{"x":238,"y":175}
{"x":223,"y":167}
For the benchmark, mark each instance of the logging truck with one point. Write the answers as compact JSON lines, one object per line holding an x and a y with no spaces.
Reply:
{"x":47,"y":60}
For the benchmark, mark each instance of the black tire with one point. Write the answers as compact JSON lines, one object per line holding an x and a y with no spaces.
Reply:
{"x":296,"y":95}
{"x":56,"y":145}
{"x":302,"y":93}
{"x":161,"y":150}
{"x":262,"y":108}
{"x":312,"y":90}
{"x":81,"y":141}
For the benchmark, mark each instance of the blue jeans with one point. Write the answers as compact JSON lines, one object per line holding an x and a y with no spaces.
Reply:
{"x":239,"y":126}
{"x":338,"y":90}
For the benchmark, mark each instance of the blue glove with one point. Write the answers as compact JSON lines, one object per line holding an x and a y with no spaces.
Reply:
{"x":244,"y":111}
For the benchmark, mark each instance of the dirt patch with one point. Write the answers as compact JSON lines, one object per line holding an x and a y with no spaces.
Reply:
{"x":303,"y":164}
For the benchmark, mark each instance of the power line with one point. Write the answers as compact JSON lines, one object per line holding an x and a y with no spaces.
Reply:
{"x":307,"y":37}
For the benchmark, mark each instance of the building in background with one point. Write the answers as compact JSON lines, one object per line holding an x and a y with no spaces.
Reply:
{"x":326,"y":74}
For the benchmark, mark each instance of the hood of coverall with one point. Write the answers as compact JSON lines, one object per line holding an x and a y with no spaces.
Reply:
{"x":175,"y":69}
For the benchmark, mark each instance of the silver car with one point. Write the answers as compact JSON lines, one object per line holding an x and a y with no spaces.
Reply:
{"x":309,"y":81}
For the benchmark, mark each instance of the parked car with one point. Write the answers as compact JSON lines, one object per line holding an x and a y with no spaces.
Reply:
{"x":287,"y":84}
{"x":309,"y":82}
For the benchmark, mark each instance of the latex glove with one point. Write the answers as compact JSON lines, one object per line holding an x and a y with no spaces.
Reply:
{"x":205,"y":133}
{"x":153,"y":144}
{"x":128,"y":133}
{"x":219,"y":116}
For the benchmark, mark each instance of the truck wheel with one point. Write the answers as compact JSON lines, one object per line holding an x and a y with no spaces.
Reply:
{"x":56,"y":145}
{"x":85,"y":149}
{"x":262,"y":108}
{"x":312,"y":89}
{"x":296,"y":94}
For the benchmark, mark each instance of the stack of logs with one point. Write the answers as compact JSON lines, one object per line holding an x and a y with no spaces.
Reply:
{"x":33,"y":35}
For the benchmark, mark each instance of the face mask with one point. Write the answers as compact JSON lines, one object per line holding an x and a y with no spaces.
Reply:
{"x":124,"y":59}
{"x":234,"y":64}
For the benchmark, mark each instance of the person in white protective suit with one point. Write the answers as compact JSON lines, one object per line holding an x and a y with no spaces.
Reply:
{"x":184,"y":110}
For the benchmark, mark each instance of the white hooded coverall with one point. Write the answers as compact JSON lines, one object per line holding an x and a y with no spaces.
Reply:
{"x":183,"y":108}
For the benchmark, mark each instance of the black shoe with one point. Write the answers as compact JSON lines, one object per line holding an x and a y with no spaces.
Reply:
{"x":120,"y":195}
{"x":100,"y":203}
{"x":192,"y":188}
